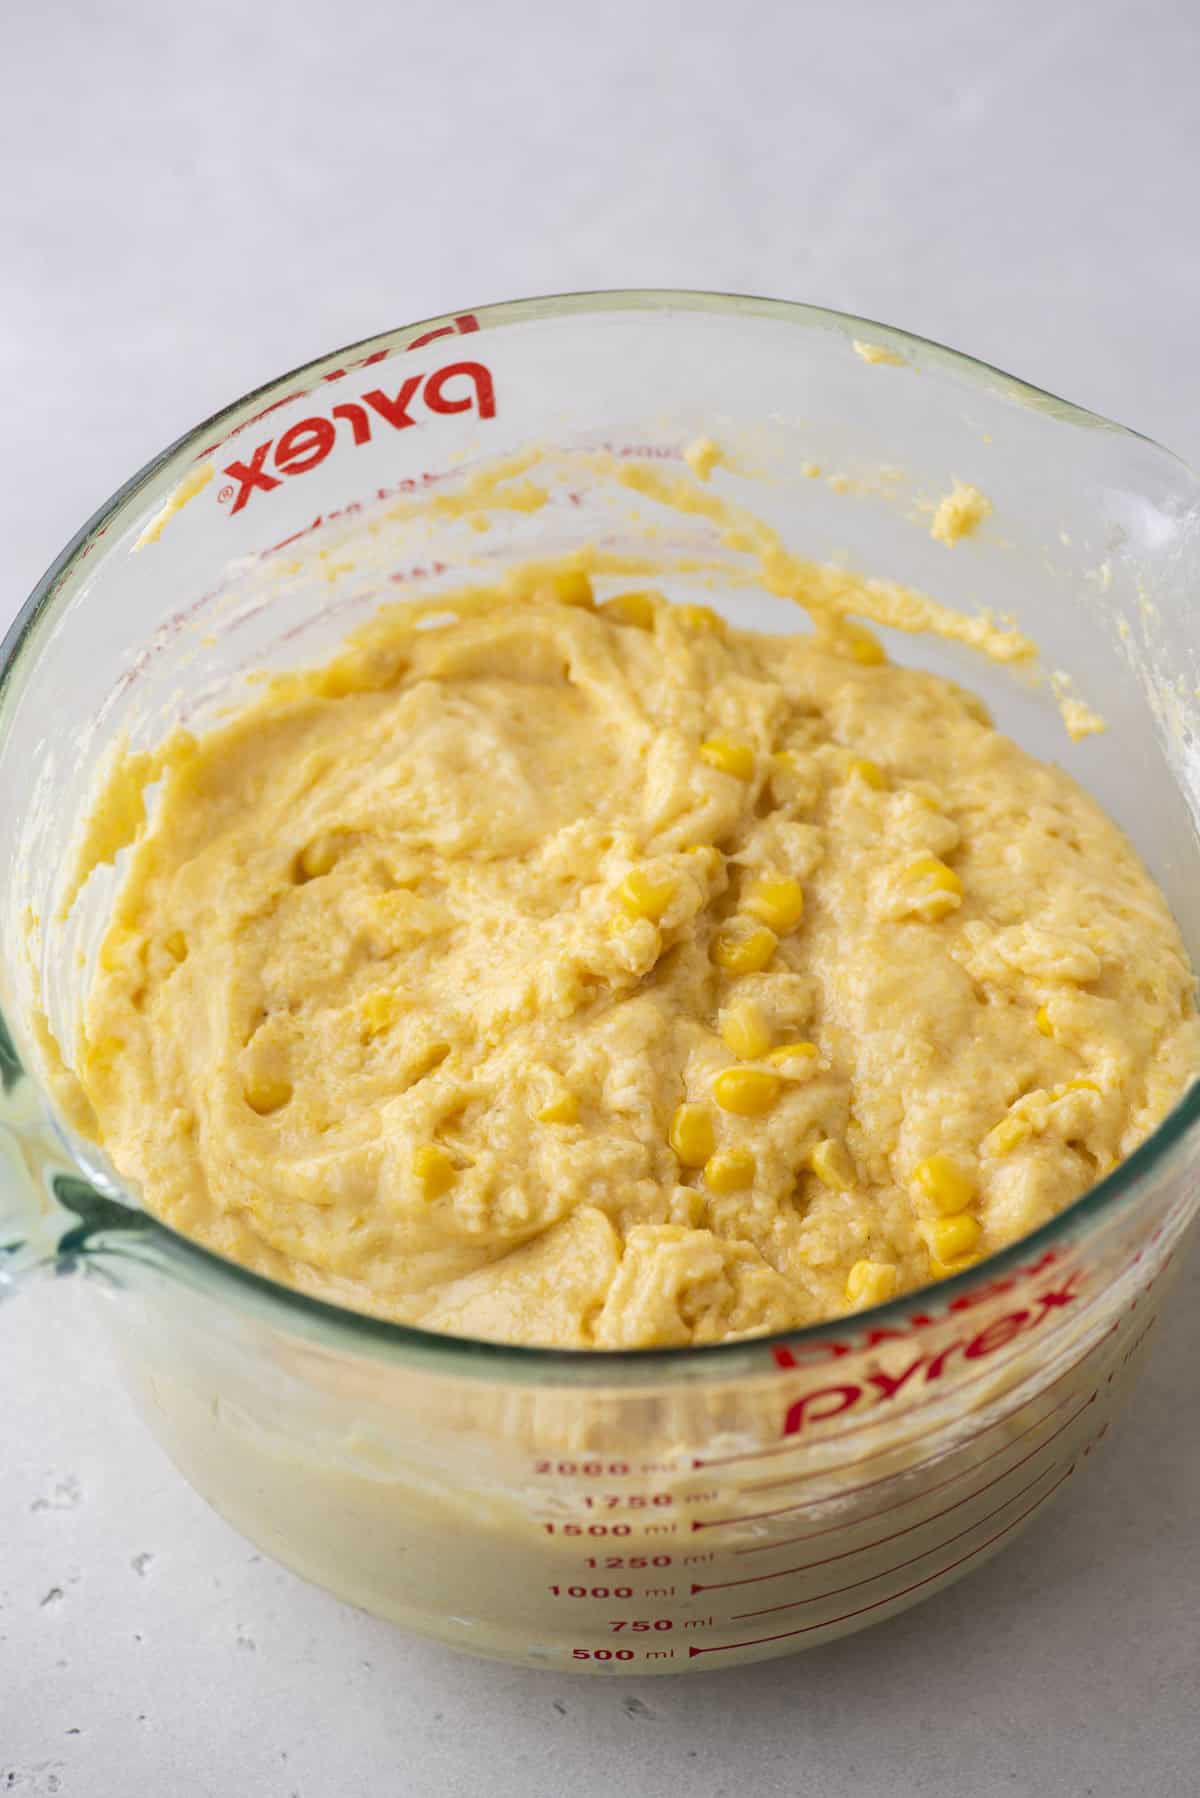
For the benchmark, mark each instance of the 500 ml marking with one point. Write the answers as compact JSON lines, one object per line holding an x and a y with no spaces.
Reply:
{"x":621,"y":1654}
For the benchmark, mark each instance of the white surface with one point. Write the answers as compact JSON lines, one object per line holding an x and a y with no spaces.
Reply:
{"x":191,"y":201}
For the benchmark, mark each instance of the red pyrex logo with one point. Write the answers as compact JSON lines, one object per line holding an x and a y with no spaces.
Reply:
{"x":973,"y":1345}
{"x":458,"y":387}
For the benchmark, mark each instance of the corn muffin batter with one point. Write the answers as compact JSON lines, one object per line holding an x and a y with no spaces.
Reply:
{"x":582,"y":971}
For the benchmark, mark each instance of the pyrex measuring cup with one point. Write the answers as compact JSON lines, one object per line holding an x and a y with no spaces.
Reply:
{"x":641,"y":1512}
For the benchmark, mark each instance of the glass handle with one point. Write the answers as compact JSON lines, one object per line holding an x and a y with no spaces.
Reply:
{"x":48,"y":1212}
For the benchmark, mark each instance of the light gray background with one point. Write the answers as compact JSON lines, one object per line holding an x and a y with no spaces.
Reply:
{"x":195,"y":198}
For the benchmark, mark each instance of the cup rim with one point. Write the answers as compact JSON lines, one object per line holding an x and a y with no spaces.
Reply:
{"x":226,"y":1278}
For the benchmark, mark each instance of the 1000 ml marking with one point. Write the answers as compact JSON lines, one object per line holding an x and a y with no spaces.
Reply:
{"x":591,"y":1591}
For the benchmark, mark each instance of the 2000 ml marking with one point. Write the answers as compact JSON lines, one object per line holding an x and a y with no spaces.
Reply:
{"x":457,"y":387}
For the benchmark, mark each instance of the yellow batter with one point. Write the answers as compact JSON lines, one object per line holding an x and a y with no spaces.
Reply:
{"x":593,"y":974}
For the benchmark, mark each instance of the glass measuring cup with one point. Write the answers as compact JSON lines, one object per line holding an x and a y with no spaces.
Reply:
{"x":645,"y":1512}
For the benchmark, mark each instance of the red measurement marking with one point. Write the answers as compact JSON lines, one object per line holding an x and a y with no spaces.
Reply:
{"x":793,"y":1604}
{"x":925,"y":1492}
{"x":887,"y":1449}
{"x":879,"y":1542}
{"x":939,"y":1397}
{"x":792,"y":1444}
{"x":788,"y":1479}
{"x":940,"y":1573}
{"x":901,"y":1473}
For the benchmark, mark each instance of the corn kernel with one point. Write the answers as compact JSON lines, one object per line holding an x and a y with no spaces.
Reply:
{"x":1042,"y":1020}
{"x":434,"y":1170}
{"x":701,"y":618}
{"x":692,"y":1135}
{"x":572,"y":587}
{"x":175,"y":945}
{"x":863,"y":646}
{"x":798,"y":1057}
{"x":937,"y":888}
{"x":951,"y":1237}
{"x":943,"y":1181}
{"x":563,"y":1109}
{"x":707,"y":857}
{"x":379,"y":1010}
{"x":1006,"y":1136}
{"x":267,"y":1092}
{"x":635,"y":609}
{"x":831,"y":1164}
{"x":1075,"y":1086}
{"x":871,"y":1282}
{"x":742,"y":947}
{"x":730,"y":1171}
{"x":929,"y":872}
{"x":870,"y":773}
{"x":750,"y":1092}
{"x":946,"y":1270}
{"x":779,"y":903}
{"x":319,"y":856}
{"x":728,"y":757}
{"x":642,"y":897}
{"x":745,"y":1031}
